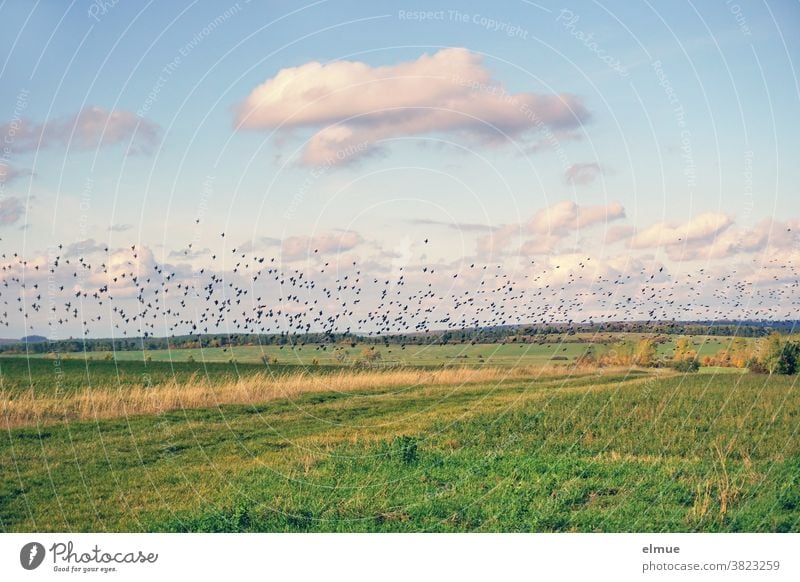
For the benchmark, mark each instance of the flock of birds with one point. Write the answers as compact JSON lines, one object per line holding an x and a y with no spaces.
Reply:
{"x":124,"y":292}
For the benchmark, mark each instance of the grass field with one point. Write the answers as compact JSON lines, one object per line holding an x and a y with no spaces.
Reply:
{"x":528,"y":449}
{"x":512,"y":354}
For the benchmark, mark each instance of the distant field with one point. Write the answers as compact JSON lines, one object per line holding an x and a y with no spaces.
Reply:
{"x":512,"y":354}
{"x":536,"y":449}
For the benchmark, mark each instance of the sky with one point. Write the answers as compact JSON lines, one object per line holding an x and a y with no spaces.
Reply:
{"x":662,"y":134}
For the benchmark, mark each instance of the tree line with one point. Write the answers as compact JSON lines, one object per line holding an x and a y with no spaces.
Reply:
{"x":497,"y":334}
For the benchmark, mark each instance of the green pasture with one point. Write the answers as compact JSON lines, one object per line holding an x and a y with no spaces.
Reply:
{"x":592,"y":451}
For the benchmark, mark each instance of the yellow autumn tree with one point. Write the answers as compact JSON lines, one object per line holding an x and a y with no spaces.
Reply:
{"x":684,"y":350}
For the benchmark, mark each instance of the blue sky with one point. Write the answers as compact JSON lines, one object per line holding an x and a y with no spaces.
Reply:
{"x":182,"y":71}
{"x":738,"y":92}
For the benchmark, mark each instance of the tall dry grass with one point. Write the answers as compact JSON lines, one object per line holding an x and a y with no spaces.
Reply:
{"x":29,"y":409}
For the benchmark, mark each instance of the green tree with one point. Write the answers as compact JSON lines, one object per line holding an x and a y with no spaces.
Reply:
{"x":778,"y":355}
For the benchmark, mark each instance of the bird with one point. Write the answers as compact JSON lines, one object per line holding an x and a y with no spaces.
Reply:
{"x":124,"y":291}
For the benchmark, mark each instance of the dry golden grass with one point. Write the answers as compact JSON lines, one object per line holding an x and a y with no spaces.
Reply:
{"x":29,"y":409}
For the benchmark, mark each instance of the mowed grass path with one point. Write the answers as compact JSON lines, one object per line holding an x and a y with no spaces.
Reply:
{"x":611,"y":451}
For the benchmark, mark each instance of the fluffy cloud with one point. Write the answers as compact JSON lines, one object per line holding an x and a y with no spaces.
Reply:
{"x":122,"y":265}
{"x":702,"y":228}
{"x":548,"y":226}
{"x":566,"y":216}
{"x":705,"y":236}
{"x":298,"y":247}
{"x":582,"y":174}
{"x":352,"y":105}
{"x":11,"y":210}
{"x":568,"y":267}
{"x":767,"y":234}
{"x":89,"y":129}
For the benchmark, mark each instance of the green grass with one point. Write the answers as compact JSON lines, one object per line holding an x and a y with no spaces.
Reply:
{"x":592,"y":452}
{"x":506,"y":355}
{"x":717,"y":370}
{"x":494,"y":354}
{"x":46,"y":376}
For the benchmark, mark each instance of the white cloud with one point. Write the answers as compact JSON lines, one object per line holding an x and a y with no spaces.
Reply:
{"x":566,"y":216}
{"x":548,"y":227}
{"x":701,"y":228}
{"x":352,"y":105}
{"x":767,"y":234}
{"x":122,"y":265}
{"x":88,"y":129}
{"x":298,"y":247}
{"x":582,"y":173}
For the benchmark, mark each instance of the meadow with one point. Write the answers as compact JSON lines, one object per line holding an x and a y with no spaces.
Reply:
{"x":563,"y":348}
{"x":505,"y":445}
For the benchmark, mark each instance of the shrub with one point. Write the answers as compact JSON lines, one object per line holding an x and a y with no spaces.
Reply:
{"x":340,"y":353}
{"x":686,"y":365}
{"x":405,"y":448}
{"x":627,"y":353}
{"x":755,"y":366}
{"x":587,"y":358}
{"x":368,"y":357}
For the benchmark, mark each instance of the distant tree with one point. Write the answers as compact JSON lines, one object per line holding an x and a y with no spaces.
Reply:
{"x":645,"y":353}
{"x":741,"y":351}
{"x":778,"y":355}
{"x":684,"y":350}
{"x":622,"y":353}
